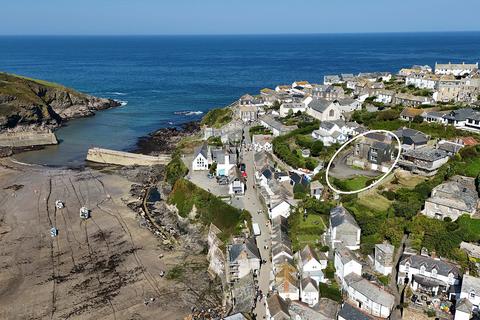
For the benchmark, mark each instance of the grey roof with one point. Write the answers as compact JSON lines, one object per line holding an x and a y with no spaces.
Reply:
{"x":346,"y":101}
{"x":459,"y":194}
{"x":470,"y":284}
{"x":339,"y":215}
{"x":319,"y":104}
{"x":345,"y":255}
{"x":277,"y":306}
{"x":380,"y":145}
{"x":374,"y":293}
{"x":349,"y":312}
{"x":376,"y":136}
{"x":426,"y":154}
{"x":328,"y":125}
{"x":279,"y":247}
{"x":270,"y":121}
{"x":307,"y":254}
{"x":385,"y":247}
{"x":460,"y":114}
{"x":267,"y":172}
{"x":450,"y":147}
{"x":443,"y":267}
{"x":309,"y":281}
{"x":203,"y":150}
{"x":464,"y":305}
{"x":248,"y":246}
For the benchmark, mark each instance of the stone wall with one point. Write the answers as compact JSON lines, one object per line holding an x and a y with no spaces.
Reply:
{"x":27,"y":139}
{"x":107,"y":156}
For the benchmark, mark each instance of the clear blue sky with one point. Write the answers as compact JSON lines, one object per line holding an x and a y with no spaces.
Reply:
{"x":235,"y":16}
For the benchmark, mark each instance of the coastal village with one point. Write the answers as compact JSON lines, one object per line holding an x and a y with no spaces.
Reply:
{"x":406,"y":248}
{"x":250,"y":226}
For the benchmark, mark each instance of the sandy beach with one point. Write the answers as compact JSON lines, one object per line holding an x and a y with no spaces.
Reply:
{"x":106,"y":267}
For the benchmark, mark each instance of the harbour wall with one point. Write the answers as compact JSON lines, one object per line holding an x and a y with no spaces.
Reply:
{"x":27,"y":139}
{"x":106,"y":156}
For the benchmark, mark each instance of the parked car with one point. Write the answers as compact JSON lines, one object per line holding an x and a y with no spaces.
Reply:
{"x":210,"y":176}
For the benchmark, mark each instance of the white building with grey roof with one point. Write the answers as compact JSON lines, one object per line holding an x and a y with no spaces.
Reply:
{"x":456,"y":69}
{"x":453,"y":199}
{"x":429,"y":274}
{"x":343,"y":229}
{"x":424,"y":161}
{"x":369,"y":297}
{"x":324,"y":110}
{"x":469,"y":299}
{"x":384,"y":258}
{"x":243,"y":258}
{"x":346,"y":263}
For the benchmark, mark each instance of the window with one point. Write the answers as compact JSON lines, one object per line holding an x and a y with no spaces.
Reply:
{"x":434,"y":273}
{"x":407,"y":267}
{"x":472,"y":294}
{"x":332,"y":113}
{"x":422,"y":269}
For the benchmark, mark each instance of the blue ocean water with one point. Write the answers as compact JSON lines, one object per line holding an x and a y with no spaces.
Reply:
{"x":161,"y":75}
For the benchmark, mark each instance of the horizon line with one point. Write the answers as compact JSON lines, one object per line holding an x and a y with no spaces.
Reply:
{"x":232,"y":34}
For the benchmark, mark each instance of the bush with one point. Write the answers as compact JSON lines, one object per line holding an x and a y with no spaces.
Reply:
{"x":175,"y":169}
{"x":330,"y":292}
{"x":390,"y":195}
{"x":317,"y":147}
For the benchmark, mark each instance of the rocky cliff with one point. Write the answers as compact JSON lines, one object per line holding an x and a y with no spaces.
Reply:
{"x":26,"y":102}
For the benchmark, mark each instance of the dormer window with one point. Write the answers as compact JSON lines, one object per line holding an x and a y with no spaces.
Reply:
{"x":407,"y":267}
{"x":472,"y":294}
{"x":434,"y":273}
{"x":422,"y":269}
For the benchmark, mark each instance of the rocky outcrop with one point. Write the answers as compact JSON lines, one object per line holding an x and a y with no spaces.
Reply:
{"x":29,"y":103}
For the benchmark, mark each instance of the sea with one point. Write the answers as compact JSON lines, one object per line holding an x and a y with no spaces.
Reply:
{"x":168,"y":80}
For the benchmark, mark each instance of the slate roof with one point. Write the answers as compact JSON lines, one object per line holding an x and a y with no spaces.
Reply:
{"x":349,"y":312}
{"x":267,"y":172}
{"x":309,"y":281}
{"x":339,"y":215}
{"x":248,"y":246}
{"x":319,"y":104}
{"x":277,"y":306}
{"x":443,"y":267}
{"x":280,"y":247}
{"x":458,"y":194}
{"x":426,"y":154}
{"x":450,"y":147}
{"x":418,"y":137}
{"x":373,"y":292}
{"x":307,"y":254}
{"x":460,"y":114}
{"x":380,"y":145}
{"x":345,"y":255}
{"x":464,"y":305}
{"x":203,"y":150}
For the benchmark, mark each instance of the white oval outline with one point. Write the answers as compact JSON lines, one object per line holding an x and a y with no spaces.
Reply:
{"x":376,"y":182}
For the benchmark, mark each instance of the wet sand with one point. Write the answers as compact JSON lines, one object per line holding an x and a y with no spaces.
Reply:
{"x":105,"y":267}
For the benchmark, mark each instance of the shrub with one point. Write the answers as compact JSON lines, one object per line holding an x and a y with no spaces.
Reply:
{"x":175,"y":169}
{"x":330,"y":292}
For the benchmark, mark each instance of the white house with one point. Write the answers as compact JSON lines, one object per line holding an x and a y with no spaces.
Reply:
{"x":324,"y":110}
{"x":286,"y":283}
{"x":281,"y":208}
{"x":281,"y":253}
{"x":456,"y":69}
{"x":423,"y":81}
{"x":316,"y":189}
{"x":343,"y":229}
{"x":469,"y":299}
{"x":310,"y":265}
{"x":225,"y":159}
{"x":349,"y":105}
{"x":276,"y":127}
{"x":243,"y":258}
{"x":384,"y":258}
{"x":331,"y":132}
{"x":428,"y":274}
{"x":369,"y":297}
{"x":262,"y":142}
{"x":294,"y":106}
{"x":200,"y":159}
{"x":309,"y":291}
{"x":345,"y":264}
{"x":385,"y":96}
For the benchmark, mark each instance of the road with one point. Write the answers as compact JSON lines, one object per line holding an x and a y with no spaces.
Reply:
{"x":251,"y":202}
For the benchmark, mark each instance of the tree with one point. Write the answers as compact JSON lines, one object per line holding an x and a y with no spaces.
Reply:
{"x":418,"y":119}
{"x":316,"y":148}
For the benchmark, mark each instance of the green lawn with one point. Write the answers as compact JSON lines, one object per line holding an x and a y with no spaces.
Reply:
{"x":469,"y":167}
{"x":305,"y":231}
{"x":375,"y":202}
{"x":352,"y":184}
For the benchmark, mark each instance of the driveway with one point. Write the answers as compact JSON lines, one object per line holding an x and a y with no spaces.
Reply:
{"x":344,"y":171}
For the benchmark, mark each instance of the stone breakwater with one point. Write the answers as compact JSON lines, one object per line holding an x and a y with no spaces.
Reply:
{"x":106,"y":156}
{"x":27,"y":139}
